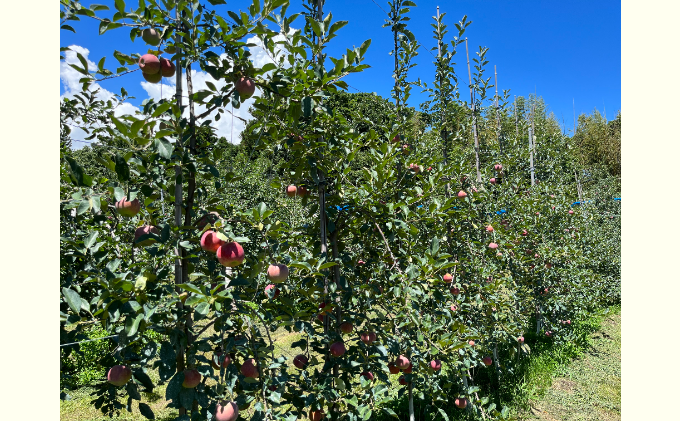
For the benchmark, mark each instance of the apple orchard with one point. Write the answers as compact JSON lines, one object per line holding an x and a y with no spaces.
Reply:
{"x":413,"y":266}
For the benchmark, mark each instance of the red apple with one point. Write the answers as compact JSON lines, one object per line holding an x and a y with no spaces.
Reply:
{"x":217,"y":356}
{"x":571,"y":212}
{"x":368,"y":337}
{"x":402,"y":362}
{"x":226,"y":411}
{"x":167,"y":68}
{"x":462,"y":194}
{"x":455,"y":291}
{"x":149,"y":64}
{"x":409,"y":369}
{"x":151,"y":36}
{"x":337,"y":349}
{"x":230,"y":254}
{"x":249,"y":369}
{"x":367,"y":375}
{"x":436,"y":365}
{"x":568,"y":322}
{"x":525,"y":233}
{"x":210,"y":242}
{"x":277,"y":273}
{"x":291,"y":191}
{"x":489,"y":228}
{"x":393,"y":368}
{"x":316,"y":415}
{"x":245,"y":87}
{"x":548,"y":333}
{"x":146,"y":229}
{"x":270,"y":287}
{"x":128,"y":209}
{"x":209,"y":218}
{"x":448,"y":278}
{"x":118,"y":375}
{"x":493,"y":246}
{"x":498,"y":167}
{"x":191,"y":378}
{"x":487,"y":361}
{"x":402,"y":380}
{"x":471,"y":343}
{"x":453,"y":307}
{"x":302,"y":191}
{"x":520,"y":339}
{"x":300,"y":361}
{"x":461,"y":403}
{"x":346,"y":327}
{"x":492,"y":180}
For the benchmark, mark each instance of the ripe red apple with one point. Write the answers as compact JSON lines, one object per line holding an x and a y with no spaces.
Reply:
{"x":346,"y":327}
{"x":217,"y":356}
{"x":396,"y":139}
{"x":300,"y":361}
{"x":146,"y":229}
{"x":520,"y":339}
{"x":276,"y":290}
{"x":302,"y":191}
{"x":230,"y":254}
{"x":245,"y":87}
{"x":402,"y":362}
{"x":118,"y":375}
{"x":167,"y":68}
{"x":316,"y":415}
{"x":249,"y":369}
{"x":448,"y":278}
{"x":149,"y":64}
{"x":493,"y":246}
{"x":525,"y":233}
{"x":277,"y":273}
{"x":191,"y":378}
{"x":487,"y":361}
{"x":367,"y":375}
{"x":461,"y":403}
{"x":571,"y":212}
{"x":568,"y":322}
{"x":462,"y":194}
{"x":455,"y":291}
{"x":393,"y":368}
{"x":492,"y":180}
{"x":226,"y":411}
{"x":471,"y":343}
{"x":291,"y":191}
{"x":402,"y":380}
{"x":436,"y":365}
{"x":337,"y":349}
{"x":498,"y":167}
{"x":368,"y":337}
{"x":210,"y":242}
{"x":151,"y":36}
{"x":409,"y":369}
{"x":548,"y":333}
{"x":453,"y":307}
{"x":128,"y":209}
{"x":489,"y":228}
{"x":429,"y":168}
{"x":324,"y":308}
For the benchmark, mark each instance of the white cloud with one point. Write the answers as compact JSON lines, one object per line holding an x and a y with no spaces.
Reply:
{"x":166,"y":90}
{"x":70,"y":80}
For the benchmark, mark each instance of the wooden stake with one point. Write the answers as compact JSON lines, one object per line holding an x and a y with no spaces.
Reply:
{"x":516,"y":126}
{"x":498,"y":117}
{"x":474,"y":116}
{"x":531,"y":146}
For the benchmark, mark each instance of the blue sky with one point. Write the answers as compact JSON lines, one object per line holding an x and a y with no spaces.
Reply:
{"x":561,"y":51}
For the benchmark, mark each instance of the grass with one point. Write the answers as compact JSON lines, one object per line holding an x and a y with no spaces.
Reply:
{"x":586,"y":388}
{"x":572,"y":382}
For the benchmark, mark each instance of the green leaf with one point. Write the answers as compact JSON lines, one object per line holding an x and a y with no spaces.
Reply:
{"x":90,"y":239}
{"x":216,"y":2}
{"x":146,"y":411}
{"x":68,"y":28}
{"x":120,"y":6}
{"x":132,"y":324}
{"x":191,"y":288}
{"x":327,"y":265}
{"x":337,"y":25}
{"x":122,"y":128}
{"x":390,"y":412}
{"x":72,"y":299}
{"x":122,"y":168}
{"x":164,"y":148}
{"x":174,"y":385}
{"x":83,"y":207}
{"x":202,"y":309}
{"x":78,"y":174}
{"x":161,"y":109}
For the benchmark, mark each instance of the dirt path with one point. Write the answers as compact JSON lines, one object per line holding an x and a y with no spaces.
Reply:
{"x":590,"y":387}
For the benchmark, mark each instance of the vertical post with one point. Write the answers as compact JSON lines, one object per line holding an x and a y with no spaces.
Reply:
{"x":178,"y":185}
{"x":474,"y":116}
{"x":498,"y":117}
{"x":531,"y":147}
{"x":444,"y":132}
{"x":516,"y":126}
